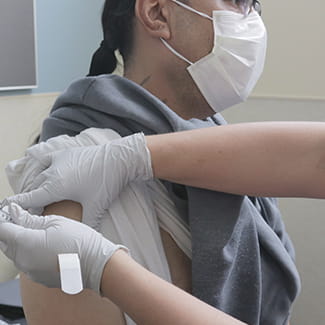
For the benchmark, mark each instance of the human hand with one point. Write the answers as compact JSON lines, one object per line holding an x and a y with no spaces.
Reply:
{"x":33,"y":244}
{"x":22,"y":172}
{"x":92,"y":175}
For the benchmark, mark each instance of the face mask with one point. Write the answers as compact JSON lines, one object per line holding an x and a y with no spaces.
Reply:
{"x":229,"y":73}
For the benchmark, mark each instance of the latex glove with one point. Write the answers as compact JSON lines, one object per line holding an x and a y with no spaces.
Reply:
{"x":22,"y":172}
{"x":33,"y":244}
{"x":93,"y":176}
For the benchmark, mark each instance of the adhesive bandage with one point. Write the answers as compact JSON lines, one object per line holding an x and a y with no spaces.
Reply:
{"x":70,"y":273}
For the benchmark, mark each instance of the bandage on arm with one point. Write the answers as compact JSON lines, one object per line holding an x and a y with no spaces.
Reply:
{"x":44,"y":306}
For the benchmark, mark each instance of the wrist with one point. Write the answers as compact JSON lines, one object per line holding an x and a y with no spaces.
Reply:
{"x":113,"y":267}
{"x":139,"y":156}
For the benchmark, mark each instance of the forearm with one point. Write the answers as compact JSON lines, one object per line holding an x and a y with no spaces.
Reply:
{"x":262,"y":159}
{"x":150,"y":300}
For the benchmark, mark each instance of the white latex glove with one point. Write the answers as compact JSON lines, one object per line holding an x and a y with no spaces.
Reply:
{"x":33,"y":244}
{"x":93,"y":176}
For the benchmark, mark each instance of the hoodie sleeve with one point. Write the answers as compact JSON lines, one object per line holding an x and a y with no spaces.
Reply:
{"x":65,"y":120}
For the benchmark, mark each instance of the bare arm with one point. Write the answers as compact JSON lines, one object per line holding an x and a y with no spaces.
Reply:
{"x":149,"y":300}
{"x":44,"y":306}
{"x":262,"y":159}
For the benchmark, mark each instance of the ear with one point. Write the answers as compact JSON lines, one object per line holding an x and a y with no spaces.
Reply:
{"x":155,"y":16}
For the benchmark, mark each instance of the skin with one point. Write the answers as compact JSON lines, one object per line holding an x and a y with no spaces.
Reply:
{"x":155,"y":306}
{"x":160,"y":71}
{"x":265,"y":162}
{"x":51,"y":306}
{"x":37,"y":298}
{"x":164,"y":75}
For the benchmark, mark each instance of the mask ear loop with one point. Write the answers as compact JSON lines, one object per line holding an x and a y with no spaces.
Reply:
{"x":196,"y":12}
{"x":175,"y":52}
{"x":193,"y":10}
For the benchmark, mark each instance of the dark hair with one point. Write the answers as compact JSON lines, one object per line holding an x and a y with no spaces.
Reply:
{"x":117,"y":25}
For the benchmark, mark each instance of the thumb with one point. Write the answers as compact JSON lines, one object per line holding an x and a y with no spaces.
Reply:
{"x":33,"y":199}
{"x":8,"y":233}
{"x":40,"y":179}
{"x":23,"y":218}
{"x":41,"y":152}
{"x":45,"y":159}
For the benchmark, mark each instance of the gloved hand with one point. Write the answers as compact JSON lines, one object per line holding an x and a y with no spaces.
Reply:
{"x":93,"y":176}
{"x":33,"y":244}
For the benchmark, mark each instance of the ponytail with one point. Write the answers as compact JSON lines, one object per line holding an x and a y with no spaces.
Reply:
{"x":117,"y":25}
{"x":103,"y":61}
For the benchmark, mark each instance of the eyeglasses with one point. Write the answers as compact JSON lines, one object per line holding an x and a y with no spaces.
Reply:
{"x":258,"y":7}
{"x":247,"y":5}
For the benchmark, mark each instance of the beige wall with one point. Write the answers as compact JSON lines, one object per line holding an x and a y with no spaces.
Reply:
{"x":295,"y":61}
{"x":20,"y":121}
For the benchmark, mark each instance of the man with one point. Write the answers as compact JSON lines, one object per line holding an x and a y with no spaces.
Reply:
{"x":192,"y":58}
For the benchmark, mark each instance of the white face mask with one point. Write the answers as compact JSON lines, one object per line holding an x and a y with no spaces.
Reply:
{"x":229,"y":73}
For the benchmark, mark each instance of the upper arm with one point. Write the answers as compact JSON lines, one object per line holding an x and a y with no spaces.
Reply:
{"x":44,"y":306}
{"x":68,"y":209}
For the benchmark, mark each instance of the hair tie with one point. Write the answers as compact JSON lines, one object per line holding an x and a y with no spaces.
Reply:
{"x":104,"y":46}
{"x":103,"y":60}
{"x":108,"y":45}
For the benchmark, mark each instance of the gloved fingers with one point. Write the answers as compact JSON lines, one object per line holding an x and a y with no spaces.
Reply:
{"x":40,"y":197}
{"x":40,"y":159}
{"x":51,"y":145}
{"x":45,"y":159}
{"x":40,"y":179}
{"x":25,"y":219}
{"x":8,"y":232}
{"x":36,"y":211}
